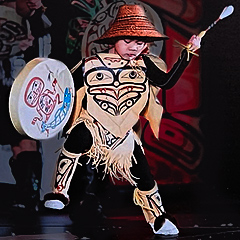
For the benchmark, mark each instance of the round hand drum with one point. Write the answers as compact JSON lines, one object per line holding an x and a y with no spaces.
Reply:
{"x":41,"y":98}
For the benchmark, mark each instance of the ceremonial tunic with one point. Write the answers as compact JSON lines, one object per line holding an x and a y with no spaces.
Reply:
{"x":111,"y":95}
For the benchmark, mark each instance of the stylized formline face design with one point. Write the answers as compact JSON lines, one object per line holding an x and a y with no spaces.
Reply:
{"x":11,"y":34}
{"x":33,"y":91}
{"x":36,"y":96}
{"x":116,"y":91}
{"x":47,"y":104}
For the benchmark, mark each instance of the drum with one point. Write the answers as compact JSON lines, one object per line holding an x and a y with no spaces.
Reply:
{"x":42,"y":98}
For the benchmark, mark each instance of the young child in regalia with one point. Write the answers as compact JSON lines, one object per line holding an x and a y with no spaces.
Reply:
{"x":113,"y":90}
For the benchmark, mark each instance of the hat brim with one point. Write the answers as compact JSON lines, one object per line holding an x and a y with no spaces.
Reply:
{"x":113,"y":40}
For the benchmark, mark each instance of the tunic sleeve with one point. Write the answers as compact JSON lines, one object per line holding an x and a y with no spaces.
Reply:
{"x":157,"y":74}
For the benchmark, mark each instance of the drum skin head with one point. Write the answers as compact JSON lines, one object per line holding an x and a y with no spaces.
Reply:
{"x":42,"y":98}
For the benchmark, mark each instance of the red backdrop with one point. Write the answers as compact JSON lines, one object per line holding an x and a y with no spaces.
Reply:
{"x":177,"y":155}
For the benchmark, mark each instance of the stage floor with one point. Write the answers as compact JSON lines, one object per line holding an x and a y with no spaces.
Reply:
{"x":201,"y":214}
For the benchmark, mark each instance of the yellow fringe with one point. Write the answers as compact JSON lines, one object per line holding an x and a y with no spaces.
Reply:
{"x":115,"y":164}
{"x":187,"y":48}
{"x":137,"y":199}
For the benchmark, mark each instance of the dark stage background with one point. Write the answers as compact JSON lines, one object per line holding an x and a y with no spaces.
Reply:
{"x":200,"y":128}
{"x":199,"y":136}
{"x":220,"y":99}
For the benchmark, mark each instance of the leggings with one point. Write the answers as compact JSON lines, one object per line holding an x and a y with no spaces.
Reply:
{"x":80,"y":140}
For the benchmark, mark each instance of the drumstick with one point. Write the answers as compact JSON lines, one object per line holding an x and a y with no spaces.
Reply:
{"x":227,"y":11}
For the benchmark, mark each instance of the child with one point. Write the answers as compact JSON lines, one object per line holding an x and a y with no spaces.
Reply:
{"x":113,"y":90}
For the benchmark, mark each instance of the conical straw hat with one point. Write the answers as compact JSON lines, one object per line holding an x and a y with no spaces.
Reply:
{"x":131,"y":22}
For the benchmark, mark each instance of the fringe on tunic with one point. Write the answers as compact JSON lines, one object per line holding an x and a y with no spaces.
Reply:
{"x":116,"y":154}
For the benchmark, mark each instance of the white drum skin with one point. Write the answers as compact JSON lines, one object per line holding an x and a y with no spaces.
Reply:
{"x":41,"y":98}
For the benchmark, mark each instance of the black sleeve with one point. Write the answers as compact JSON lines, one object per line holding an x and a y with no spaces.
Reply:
{"x":159,"y":78}
{"x":78,"y":77}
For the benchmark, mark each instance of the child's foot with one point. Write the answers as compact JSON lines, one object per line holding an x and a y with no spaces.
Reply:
{"x":164,"y":226}
{"x":55,"y":201}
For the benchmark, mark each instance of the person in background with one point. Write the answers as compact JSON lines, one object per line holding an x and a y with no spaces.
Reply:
{"x":26,"y":160}
{"x":62,"y":24}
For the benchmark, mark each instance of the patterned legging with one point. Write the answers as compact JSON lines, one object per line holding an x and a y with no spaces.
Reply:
{"x":80,"y":141}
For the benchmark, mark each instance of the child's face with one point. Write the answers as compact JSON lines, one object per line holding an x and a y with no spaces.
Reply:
{"x":129,"y":49}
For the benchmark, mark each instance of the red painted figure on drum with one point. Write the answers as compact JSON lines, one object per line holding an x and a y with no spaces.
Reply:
{"x":44,"y":100}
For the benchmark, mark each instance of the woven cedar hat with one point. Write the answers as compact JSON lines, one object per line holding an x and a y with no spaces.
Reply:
{"x":131,"y":22}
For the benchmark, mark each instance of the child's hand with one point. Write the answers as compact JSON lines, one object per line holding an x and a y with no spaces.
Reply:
{"x":194,"y":43}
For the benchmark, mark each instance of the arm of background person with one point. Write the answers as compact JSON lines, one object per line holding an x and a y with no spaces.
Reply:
{"x":27,"y":8}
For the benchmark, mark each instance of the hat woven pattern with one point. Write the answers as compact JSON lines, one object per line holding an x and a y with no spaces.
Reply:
{"x":131,"y":21}
{"x":139,"y":24}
